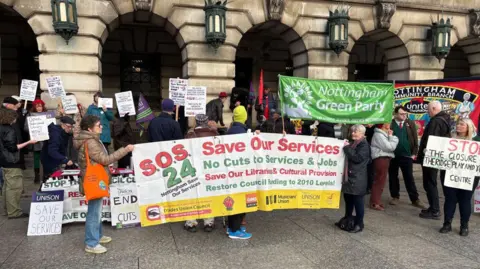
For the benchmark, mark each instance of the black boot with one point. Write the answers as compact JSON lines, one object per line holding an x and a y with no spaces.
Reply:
{"x":447,"y":227}
{"x":37,"y":176}
{"x":464,"y":229}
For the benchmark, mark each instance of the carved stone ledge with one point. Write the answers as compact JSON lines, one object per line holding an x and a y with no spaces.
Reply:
{"x":385,"y":11}
{"x":475,"y":22}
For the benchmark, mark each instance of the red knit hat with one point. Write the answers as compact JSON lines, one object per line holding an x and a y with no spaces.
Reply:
{"x":38,"y":102}
{"x":223,"y":95}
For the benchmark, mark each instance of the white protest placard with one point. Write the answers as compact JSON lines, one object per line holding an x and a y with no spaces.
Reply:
{"x":476,"y":200}
{"x":459,"y":179}
{"x":69,"y":103}
{"x":125,"y":103}
{"x":195,"y":101}
{"x":28,"y":90}
{"x":107,"y":102}
{"x":46,"y":213}
{"x":177,"y":89}
{"x":55,"y":87}
{"x":38,"y":128}
{"x":124,"y":205}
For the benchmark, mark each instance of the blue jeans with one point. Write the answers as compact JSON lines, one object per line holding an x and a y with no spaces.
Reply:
{"x":93,"y":225}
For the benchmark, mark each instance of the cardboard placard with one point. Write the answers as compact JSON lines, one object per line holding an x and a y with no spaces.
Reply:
{"x":177,"y":89}
{"x":38,"y":128}
{"x":46,"y":213}
{"x":55,"y":87}
{"x":195,"y":101}
{"x":107,"y":102}
{"x":28,"y":90}
{"x":69,"y":104}
{"x":125,"y":103}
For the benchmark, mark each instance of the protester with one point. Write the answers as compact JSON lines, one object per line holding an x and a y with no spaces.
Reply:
{"x":464,"y":130}
{"x":439,"y":125}
{"x":72,"y":153}
{"x":276,"y":125}
{"x":91,"y":131}
{"x":203,"y":128}
{"x":215,"y":108}
{"x":21,"y":119}
{"x":12,"y":103}
{"x":235,"y":229}
{"x":38,"y":107}
{"x":405,"y":153}
{"x":106,"y":116}
{"x":383,"y":146}
{"x":164,"y":127}
{"x":54,"y":151}
{"x":269,"y":103}
{"x":355,"y":176}
{"x":326,"y":129}
{"x":10,"y":161}
{"x":122,"y":136}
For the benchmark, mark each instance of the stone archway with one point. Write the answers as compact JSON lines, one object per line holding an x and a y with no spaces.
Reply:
{"x":382,"y":54}
{"x":464,"y":58}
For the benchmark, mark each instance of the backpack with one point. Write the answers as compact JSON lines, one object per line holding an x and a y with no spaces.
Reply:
{"x":346,"y":223}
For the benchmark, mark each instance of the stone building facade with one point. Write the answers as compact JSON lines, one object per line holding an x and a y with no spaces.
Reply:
{"x":122,"y":44}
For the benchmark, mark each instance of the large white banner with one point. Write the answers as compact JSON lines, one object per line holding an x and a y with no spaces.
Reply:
{"x":217,"y":176}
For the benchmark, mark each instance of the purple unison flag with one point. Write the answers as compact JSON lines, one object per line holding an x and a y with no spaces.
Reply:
{"x":144,"y":112}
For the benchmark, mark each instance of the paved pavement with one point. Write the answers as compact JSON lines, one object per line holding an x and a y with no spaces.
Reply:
{"x":396,"y":238}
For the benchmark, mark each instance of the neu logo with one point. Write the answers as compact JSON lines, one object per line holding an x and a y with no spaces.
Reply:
{"x":228,"y":203}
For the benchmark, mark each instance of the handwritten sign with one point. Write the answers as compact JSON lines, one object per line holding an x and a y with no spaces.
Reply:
{"x":459,"y":179}
{"x":46,"y":212}
{"x":125,"y":103}
{"x":107,"y":102}
{"x":28,"y":90}
{"x":177,"y":89}
{"x":37,"y":128}
{"x":55,"y":87}
{"x":50,"y":117}
{"x":124,"y":205}
{"x":195,"y":101}
{"x":476,"y":199}
{"x":69,"y":103}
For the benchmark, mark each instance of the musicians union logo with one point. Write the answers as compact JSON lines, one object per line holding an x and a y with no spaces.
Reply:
{"x":228,"y":203}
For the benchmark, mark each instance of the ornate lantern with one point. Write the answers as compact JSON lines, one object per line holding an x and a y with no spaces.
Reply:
{"x":215,"y":22}
{"x":441,"y":38}
{"x":338,"y":29}
{"x":64,"y":15}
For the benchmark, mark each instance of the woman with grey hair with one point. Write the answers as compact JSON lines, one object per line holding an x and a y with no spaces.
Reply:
{"x":355,"y":177}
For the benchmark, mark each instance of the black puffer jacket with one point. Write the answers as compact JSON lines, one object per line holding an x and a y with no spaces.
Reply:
{"x":9,"y":139}
{"x":439,"y":125}
{"x":357,"y":159}
{"x":215,"y":111}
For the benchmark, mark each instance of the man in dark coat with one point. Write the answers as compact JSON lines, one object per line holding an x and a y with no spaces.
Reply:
{"x":122,"y":137}
{"x":215,"y":109}
{"x":164,"y":127}
{"x":10,"y":162}
{"x":12,"y":103}
{"x":270,"y":99}
{"x":439,"y":125}
{"x":275,"y":125}
{"x":54,"y":152}
{"x":326,"y":129}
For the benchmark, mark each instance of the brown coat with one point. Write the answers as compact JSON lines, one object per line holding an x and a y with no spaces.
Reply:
{"x":96,"y":151}
{"x":201,"y":132}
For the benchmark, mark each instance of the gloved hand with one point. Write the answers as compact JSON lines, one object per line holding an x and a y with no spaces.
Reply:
{"x":126,"y":117}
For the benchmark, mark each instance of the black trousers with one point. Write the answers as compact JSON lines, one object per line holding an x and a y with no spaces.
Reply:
{"x":355,"y":202}
{"x":463,"y":198}
{"x":235,"y":221}
{"x":406,"y":165}
{"x":430,"y":186}
{"x":125,"y":161}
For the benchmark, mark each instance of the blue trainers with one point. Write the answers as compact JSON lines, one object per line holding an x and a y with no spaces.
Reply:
{"x":239,"y":235}
{"x":242,"y":228}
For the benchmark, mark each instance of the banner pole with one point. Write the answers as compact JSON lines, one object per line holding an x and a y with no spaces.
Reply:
{"x":25,"y":105}
{"x":281,"y":103}
{"x":176,"y":112}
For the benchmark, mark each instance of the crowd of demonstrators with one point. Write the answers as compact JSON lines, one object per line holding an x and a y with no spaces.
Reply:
{"x":89,"y":140}
{"x":464,"y":130}
{"x":11,"y":160}
{"x":54,"y":151}
{"x":439,"y":125}
{"x":38,"y":106}
{"x":164,"y":127}
{"x":123,"y":136}
{"x":382,"y":146}
{"x":405,"y":153}
{"x":106,"y":116}
{"x":203,"y":128}
{"x":215,"y":109}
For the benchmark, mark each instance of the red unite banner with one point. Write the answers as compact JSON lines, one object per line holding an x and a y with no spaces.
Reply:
{"x":460,"y":98}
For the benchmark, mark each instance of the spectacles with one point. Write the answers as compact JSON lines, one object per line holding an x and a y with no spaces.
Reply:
{"x":68,"y":126}
{"x":403,"y":114}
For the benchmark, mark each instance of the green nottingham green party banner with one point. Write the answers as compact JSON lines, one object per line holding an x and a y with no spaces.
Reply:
{"x":336,"y":101}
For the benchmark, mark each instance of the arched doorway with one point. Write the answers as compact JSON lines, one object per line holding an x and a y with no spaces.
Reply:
{"x":140,"y":55}
{"x":378,"y":55}
{"x":456,"y":63}
{"x":274,"y":48}
{"x":18,"y":52}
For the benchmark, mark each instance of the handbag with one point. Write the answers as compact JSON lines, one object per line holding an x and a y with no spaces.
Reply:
{"x":346,"y":223}
{"x":95,"y":180}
